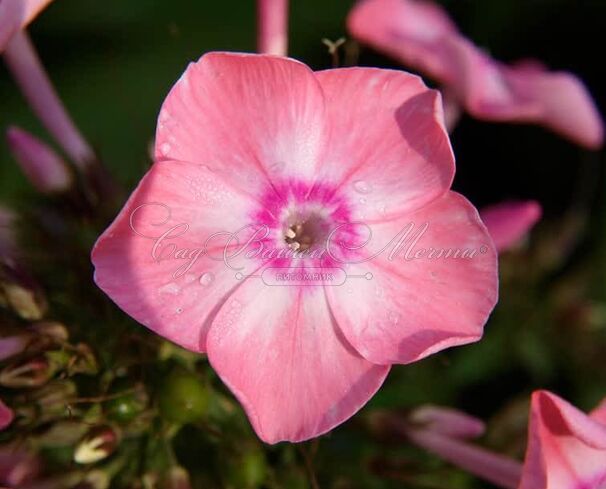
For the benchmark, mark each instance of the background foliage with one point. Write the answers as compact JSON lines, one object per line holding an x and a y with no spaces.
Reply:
{"x":114,"y":61}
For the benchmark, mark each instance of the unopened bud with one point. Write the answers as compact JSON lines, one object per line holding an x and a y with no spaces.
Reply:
{"x":12,"y":345}
{"x":6,"y":415}
{"x":95,"y":479}
{"x":43,"y":167}
{"x":20,"y":292}
{"x":177,"y":478}
{"x":51,"y":329}
{"x":29,"y":373}
{"x":99,"y":443}
{"x":84,"y":361}
{"x":183,"y":397}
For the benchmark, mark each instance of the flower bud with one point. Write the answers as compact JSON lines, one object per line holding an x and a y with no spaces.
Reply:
{"x":51,"y":329}
{"x":12,"y":345}
{"x":84,"y":361}
{"x":29,"y":373}
{"x":20,"y":293}
{"x":99,"y":443}
{"x":177,"y":478}
{"x":127,"y":406}
{"x":6,"y":415}
{"x":247,"y":470}
{"x":44,"y":168}
{"x":183,"y":397}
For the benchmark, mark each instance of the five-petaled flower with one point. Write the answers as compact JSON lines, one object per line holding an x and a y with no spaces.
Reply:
{"x":256,"y":140}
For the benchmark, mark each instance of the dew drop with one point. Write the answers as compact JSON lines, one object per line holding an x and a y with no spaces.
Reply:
{"x":362,"y":187}
{"x":394,"y":317}
{"x":179,"y":310}
{"x":362,"y":200}
{"x":165,"y":149}
{"x":171,"y":288}
{"x":206,"y":279}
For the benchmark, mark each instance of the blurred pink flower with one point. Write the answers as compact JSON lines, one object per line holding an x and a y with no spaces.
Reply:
{"x":421,"y":35}
{"x":44,"y":168}
{"x":6,"y":416}
{"x":447,"y":422}
{"x":16,"y":15}
{"x":566,"y":448}
{"x":261,"y":141}
{"x":509,"y":222}
{"x":272,"y":35}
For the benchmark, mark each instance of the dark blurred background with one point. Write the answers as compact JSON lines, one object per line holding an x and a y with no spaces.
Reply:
{"x":114,"y":61}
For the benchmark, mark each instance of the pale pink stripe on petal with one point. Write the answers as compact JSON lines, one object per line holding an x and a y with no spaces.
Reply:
{"x":388,"y":151}
{"x":508,"y":222}
{"x":279,"y":350}
{"x":151,"y":260}
{"x":260,"y":115}
{"x":421,"y":298}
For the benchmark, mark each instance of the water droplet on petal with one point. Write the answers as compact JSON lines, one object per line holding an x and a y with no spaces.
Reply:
{"x":179,"y":310}
{"x":171,"y":288}
{"x":362,"y":200}
{"x":394,"y":317}
{"x":165,"y":149}
{"x":277,"y":167}
{"x":362,"y":187}
{"x":206,"y":279}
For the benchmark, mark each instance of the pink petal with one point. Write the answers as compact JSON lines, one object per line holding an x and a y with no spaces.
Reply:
{"x":599,"y":413}
{"x":527,"y":93}
{"x":6,"y":416}
{"x":260,"y":115}
{"x":508,"y":222}
{"x":410,"y":31}
{"x":17,"y":14}
{"x":389,"y":150}
{"x":164,"y":295}
{"x":566,"y":448}
{"x":280,"y":352}
{"x":567,"y":106}
{"x":413,"y":307}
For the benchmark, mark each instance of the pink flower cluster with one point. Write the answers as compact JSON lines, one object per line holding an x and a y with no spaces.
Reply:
{"x":420,"y":34}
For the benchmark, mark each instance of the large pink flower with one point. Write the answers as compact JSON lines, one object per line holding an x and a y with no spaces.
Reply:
{"x":566,"y":448}
{"x":422,"y":36}
{"x":346,"y":162}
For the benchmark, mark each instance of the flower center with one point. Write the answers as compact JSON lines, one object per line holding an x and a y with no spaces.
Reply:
{"x":301,"y":234}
